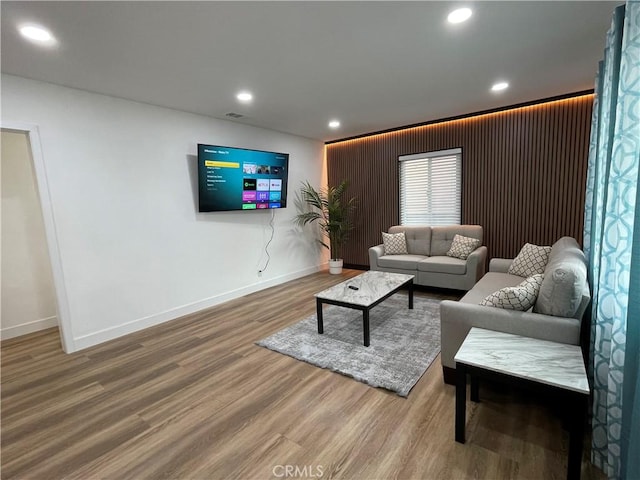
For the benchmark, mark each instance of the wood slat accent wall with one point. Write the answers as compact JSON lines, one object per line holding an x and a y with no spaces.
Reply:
{"x":523,"y":174}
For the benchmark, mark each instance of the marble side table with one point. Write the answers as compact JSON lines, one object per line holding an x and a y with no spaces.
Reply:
{"x":530,"y":363}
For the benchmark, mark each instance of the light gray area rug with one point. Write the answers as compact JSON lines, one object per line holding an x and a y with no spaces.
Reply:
{"x":403,"y":342}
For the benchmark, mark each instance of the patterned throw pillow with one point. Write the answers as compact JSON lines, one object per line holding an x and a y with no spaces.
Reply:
{"x":530,"y":261}
{"x":462,"y":246}
{"x":394,"y":243}
{"x":521,"y":297}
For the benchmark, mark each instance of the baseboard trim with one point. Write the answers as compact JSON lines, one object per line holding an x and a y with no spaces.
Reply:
{"x":95,"y":338}
{"x":356,"y":266}
{"x":29,"y":327}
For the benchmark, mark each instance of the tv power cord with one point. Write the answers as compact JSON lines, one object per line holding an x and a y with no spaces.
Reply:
{"x":266,"y":247}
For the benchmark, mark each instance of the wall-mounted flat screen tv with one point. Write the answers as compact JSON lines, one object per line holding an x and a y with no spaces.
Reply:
{"x":232,"y":178}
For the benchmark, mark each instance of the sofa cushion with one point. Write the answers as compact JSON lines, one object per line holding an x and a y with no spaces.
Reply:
{"x":462,"y":247}
{"x":443,"y":264}
{"x":489,"y":283}
{"x":418,"y":238}
{"x":531,"y":260}
{"x":521,"y":297}
{"x":394,"y":243}
{"x":442,"y":237}
{"x":404,"y":262}
{"x":564,"y":281}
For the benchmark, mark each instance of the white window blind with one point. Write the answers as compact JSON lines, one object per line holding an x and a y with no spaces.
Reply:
{"x":431,"y":188}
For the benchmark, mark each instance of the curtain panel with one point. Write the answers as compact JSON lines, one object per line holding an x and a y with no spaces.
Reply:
{"x":612,"y":245}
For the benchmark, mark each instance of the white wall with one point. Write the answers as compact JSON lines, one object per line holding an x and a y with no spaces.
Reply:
{"x":28,"y":296}
{"x":122,"y":178}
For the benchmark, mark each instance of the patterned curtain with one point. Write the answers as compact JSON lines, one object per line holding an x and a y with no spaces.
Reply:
{"x":612,"y":245}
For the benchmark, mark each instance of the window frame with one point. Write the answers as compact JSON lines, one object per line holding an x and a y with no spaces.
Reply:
{"x":430,"y":156}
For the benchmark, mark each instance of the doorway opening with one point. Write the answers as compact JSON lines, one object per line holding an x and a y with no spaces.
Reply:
{"x":32,"y":296}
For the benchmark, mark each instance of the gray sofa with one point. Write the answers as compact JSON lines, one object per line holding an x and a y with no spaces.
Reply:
{"x":427,"y":259}
{"x":564,"y":297}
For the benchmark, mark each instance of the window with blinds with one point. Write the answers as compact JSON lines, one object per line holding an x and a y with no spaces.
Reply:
{"x":431,"y":188}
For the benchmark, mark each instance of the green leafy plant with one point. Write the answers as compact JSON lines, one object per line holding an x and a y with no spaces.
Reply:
{"x":331,"y":211}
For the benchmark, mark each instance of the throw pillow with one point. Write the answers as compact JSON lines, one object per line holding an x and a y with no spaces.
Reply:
{"x":530,"y":261}
{"x":521,"y":297}
{"x":563,"y":287}
{"x":394,"y":243}
{"x":462,"y":246}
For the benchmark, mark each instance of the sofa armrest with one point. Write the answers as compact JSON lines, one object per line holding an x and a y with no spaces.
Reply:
{"x":374,"y":254}
{"x":457,"y":318}
{"x":477,"y":262}
{"x":500,"y":265}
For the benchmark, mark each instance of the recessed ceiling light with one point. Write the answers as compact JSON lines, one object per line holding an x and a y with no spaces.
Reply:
{"x":244,"y":97}
{"x":37,"y":34}
{"x":459,"y":15}
{"x":334,"y":123}
{"x":498,"y":87}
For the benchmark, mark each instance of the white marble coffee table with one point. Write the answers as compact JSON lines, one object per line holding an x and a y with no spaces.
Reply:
{"x":528,"y":362}
{"x":363,"y":293}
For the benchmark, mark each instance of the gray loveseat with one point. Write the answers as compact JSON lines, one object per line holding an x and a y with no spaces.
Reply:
{"x":564,"y":297}
{"x":427,"y":259}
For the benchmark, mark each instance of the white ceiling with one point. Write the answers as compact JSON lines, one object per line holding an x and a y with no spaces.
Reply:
{"x":373,"y":65}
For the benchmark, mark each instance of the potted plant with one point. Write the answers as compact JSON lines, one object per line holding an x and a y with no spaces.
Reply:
{"x":333,"y":214}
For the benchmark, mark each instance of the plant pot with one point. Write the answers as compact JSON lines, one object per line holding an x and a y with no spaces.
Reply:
{"x":335,"y":266}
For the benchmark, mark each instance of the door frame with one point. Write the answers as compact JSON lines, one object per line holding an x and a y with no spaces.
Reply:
{"x":48,"y":216}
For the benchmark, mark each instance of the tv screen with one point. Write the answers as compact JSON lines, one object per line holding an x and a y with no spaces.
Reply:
{"x":241,"y":179}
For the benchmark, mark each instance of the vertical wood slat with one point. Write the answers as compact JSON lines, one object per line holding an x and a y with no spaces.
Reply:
{"x":523,"y":177}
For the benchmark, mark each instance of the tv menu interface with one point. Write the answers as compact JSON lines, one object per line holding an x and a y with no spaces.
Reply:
{"x":241,"y":179}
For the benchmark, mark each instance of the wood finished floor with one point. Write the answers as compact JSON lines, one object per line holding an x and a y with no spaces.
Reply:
{"x":196,"y":399}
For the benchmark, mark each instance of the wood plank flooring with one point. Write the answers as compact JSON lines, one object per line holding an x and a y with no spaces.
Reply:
{"x":196,"y":399}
